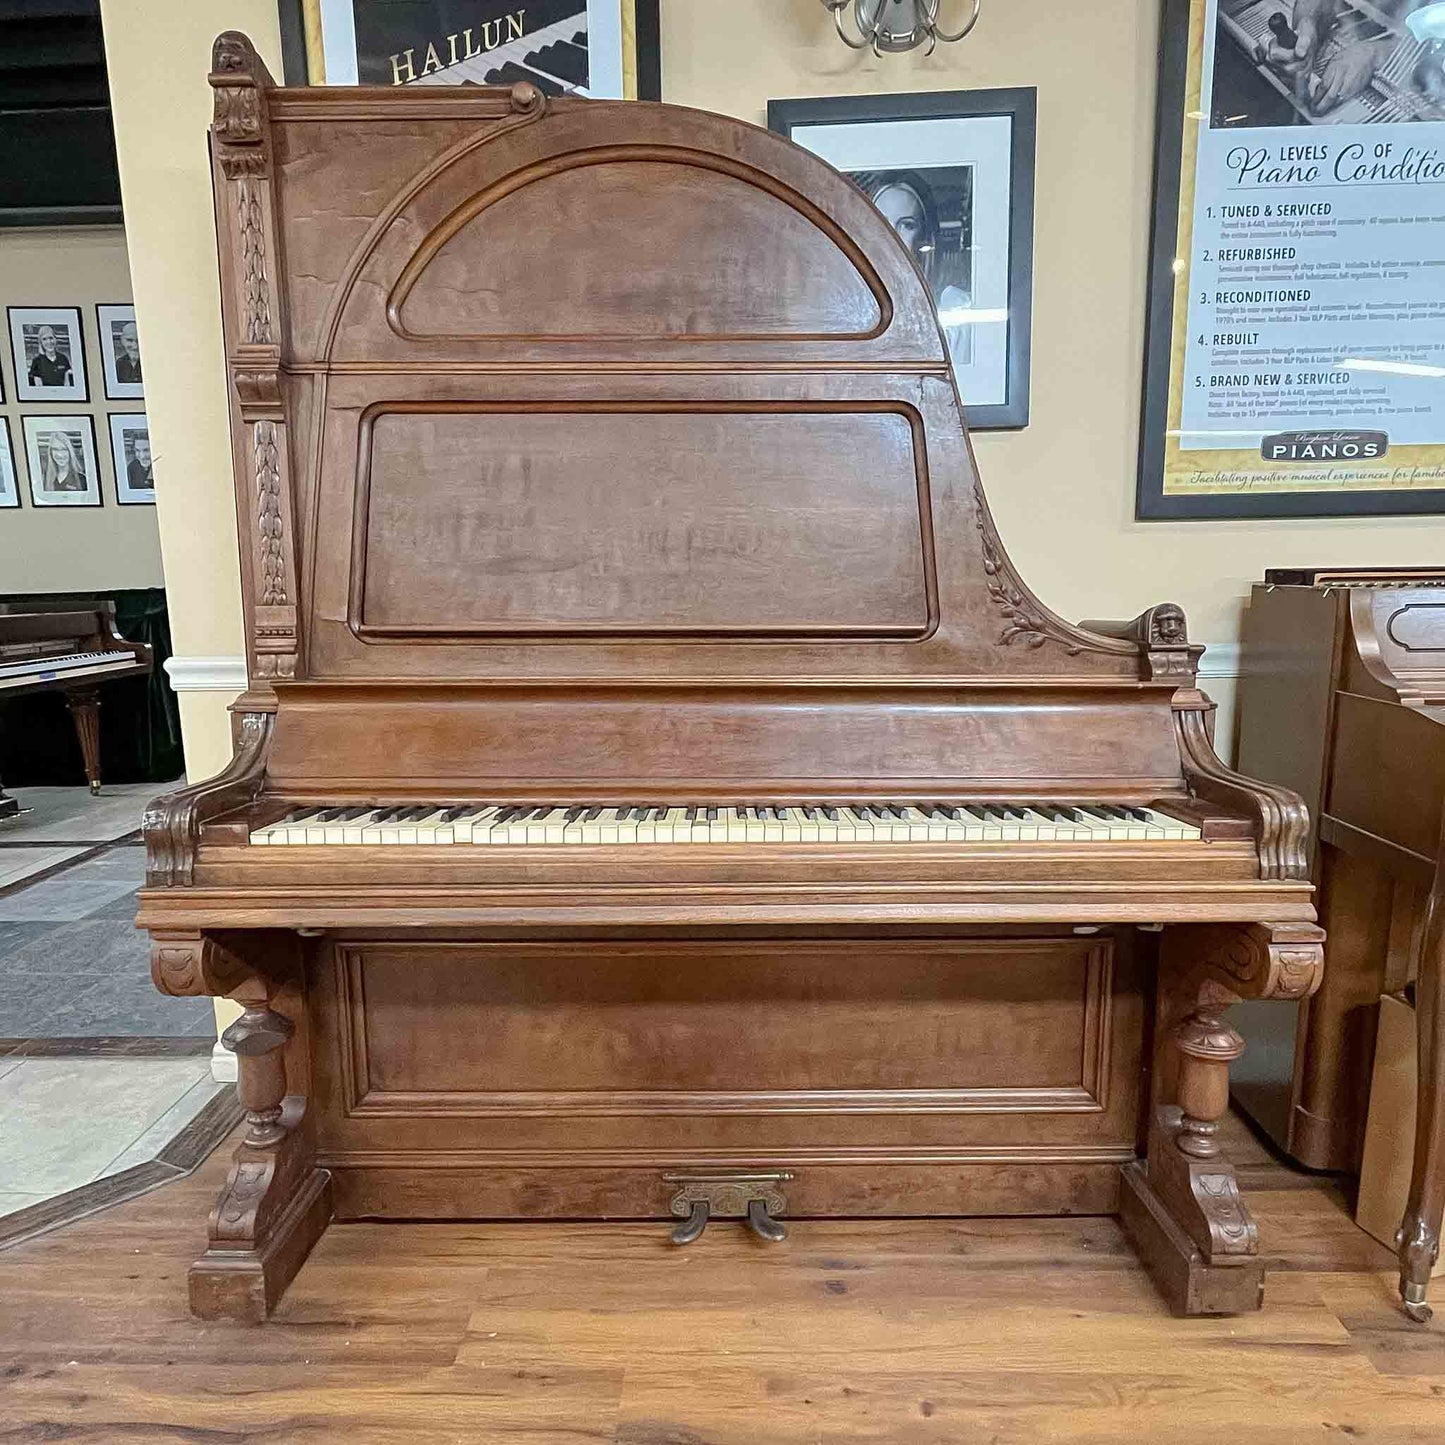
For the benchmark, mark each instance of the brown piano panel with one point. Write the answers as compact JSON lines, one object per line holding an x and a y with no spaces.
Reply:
{"x":619,"y":521}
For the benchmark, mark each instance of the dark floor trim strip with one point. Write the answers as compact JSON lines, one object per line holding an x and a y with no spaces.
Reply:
{"x":121,"y":840}
{"x":180,"y":1157}
{"x":91,"y":850}
{"x":109,"y":1047}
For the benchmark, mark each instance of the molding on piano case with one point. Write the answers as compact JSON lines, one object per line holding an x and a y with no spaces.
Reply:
{"x":207,"y":674}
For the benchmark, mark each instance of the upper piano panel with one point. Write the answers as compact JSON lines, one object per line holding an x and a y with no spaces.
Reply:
{"x":559,"y":390}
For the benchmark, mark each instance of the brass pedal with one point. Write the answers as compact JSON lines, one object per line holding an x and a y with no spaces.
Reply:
{"x":753,"y":1198}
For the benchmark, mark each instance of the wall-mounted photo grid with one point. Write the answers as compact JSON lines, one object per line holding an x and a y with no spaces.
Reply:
{"x":51,"y":451}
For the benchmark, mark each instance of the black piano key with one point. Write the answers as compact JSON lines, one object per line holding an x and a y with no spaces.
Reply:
{"x":452,"y":814}
{"x":1139,"y":814}
{"x":592,"y":814}
{"x":384,"y":815}
{"x":572,"y":814}
{"x":954,"y":815}
{"x":831,"y":814}
{"x":511,"y":74}
{"x":563,"y":59}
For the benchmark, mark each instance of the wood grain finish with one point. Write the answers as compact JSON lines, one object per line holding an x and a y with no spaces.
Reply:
{"x":671,"y":501}
{"x":1359,"y":728}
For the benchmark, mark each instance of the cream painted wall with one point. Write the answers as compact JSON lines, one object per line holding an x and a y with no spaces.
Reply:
{"x":70,"y":549}
{"x":1062,"y":490}
{"x":158,"y":53}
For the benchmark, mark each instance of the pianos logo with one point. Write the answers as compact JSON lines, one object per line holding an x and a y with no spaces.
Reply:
{"x":1324,"y":446}
{"x":415,"y":62}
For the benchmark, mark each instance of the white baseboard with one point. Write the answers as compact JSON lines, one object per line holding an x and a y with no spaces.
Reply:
{"x":207,"y":674}
{"x":1221,"y":659}
{"x":223,"y":1064}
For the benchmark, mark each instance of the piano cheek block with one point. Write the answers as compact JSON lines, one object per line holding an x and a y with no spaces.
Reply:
{"x":806,"y":865}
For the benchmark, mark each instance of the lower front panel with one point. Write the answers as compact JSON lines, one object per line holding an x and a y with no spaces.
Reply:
{"x":979,"y":1073}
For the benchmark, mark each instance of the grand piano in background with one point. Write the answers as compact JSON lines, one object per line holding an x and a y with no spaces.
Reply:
{"x":73,"y":651}
{"x":657,"y":796}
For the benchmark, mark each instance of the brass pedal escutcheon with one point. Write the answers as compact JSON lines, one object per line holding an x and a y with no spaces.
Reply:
{"x":756,"y":1199}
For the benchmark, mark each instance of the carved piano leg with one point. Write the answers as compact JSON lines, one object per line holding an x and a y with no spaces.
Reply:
{"x":275,"y":1202}
{"x":1181,"y":1206}
{"x":84,"y":705}
{"x":1418,"y":1241}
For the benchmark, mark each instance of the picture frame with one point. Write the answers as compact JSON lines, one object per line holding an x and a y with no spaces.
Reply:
{"x":1263,"y":396}
{"x":130,"y":455}
{"x":47,"y":348}
{"x":9,"y":475}
{"x":61,"y":459}
{"x":411,"y":42}
{"x":120,"y":360}
{"x":953,"y":171}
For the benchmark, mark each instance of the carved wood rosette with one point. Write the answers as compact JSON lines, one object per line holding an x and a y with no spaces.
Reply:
{"x":242,"y":142}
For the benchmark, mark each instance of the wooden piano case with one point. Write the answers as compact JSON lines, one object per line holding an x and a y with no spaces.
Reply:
{"x":609,"y":453}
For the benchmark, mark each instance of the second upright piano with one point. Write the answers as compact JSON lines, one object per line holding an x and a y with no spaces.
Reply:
{"x":657,"y":795}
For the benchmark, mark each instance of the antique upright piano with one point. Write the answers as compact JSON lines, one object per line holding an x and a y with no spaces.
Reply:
{"x":657,"y":796}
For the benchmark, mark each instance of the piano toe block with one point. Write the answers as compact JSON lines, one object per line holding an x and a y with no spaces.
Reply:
{"x":1190,"y":1284}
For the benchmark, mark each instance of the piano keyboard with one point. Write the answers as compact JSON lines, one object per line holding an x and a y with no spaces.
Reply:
{"x":43,"y":668}
{"x":432,"y":824}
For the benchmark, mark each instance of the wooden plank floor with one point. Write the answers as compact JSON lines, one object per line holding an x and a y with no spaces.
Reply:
{"x":996,"y":1331}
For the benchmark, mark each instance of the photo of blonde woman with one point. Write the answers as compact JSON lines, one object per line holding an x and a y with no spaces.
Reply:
{"x":61,"y":454}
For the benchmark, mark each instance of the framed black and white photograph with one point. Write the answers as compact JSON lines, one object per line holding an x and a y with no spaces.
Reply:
{"x":599,"y":48}
{"x":120,"y":352}
{"x":130,"y":452}
{"x":953,"y":173}
{"x":48,"y":349}
{"x":60,"y":457}
{"x":9,"y":485}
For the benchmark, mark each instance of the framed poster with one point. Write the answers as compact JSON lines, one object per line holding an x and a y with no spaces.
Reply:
{"x":130,"y":454}
{"x":60,"y":456}
{"x":1295,"y":356}
{"x":953,"y":173}
{"x":120,"y":352}
{"x":9,"y":485}
{"x":602,"y":48}
{"x":48,"y":350}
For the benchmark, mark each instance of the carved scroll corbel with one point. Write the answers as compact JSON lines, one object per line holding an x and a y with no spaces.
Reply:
{"x":1282,"y":822}
{"x":189,"y":965}
{"x":172,"y":824}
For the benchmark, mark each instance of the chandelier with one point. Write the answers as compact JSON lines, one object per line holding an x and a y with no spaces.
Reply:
{"x":896,"y":25}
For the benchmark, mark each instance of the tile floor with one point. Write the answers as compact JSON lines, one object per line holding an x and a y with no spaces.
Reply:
{"x":72,"y":966}
{"x":66,"y":1122}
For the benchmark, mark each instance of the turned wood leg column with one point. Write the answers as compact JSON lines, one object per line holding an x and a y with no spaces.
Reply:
{"x":1181,"y":1205}
{"x":275,"y":1202}
{"x":1418,"y":1241}
{"x":84,"y":705}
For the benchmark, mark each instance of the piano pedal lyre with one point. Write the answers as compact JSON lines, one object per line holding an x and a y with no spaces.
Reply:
{"x":753,"y":1198}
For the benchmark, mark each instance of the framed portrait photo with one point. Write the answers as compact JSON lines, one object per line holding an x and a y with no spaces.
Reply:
{"x":130,"y":452}
{"x":953,"y":173}
{"x":60,"y":457}
{"x":120,"y":352}
{"x":9,"y":485}
{"x":48,"y":349}
{"x":600,"y":48}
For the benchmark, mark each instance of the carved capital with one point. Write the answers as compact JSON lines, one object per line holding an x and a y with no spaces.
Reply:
{"x":1161,"y":636}
{"x":1251,"y":960}
{"x":192,"y":965}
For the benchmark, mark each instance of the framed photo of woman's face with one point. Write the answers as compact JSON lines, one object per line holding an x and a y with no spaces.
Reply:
{"x":130,"y":452}
{"x":953,"y":173}
{"x":120,"y":352}
{"x":9,"y":487}
{"x":60,"y":456}
{"x":48,"y":349}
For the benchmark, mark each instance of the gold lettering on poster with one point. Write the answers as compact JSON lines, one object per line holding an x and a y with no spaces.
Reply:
{"x":503,"y":30}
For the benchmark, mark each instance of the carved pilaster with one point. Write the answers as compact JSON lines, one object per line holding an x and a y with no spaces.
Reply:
{"x":243,"y":153}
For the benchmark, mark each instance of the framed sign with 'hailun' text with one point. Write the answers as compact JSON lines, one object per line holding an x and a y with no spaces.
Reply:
{"x":601,"y":48}
{"x":1296,"y":336}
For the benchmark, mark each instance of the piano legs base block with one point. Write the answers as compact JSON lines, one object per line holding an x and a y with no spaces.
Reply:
{"x":1189,"y":1283}
{"x":243,"y":1285}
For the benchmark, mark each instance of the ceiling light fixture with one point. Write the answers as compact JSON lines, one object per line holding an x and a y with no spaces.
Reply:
{"x":895,"y":25}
